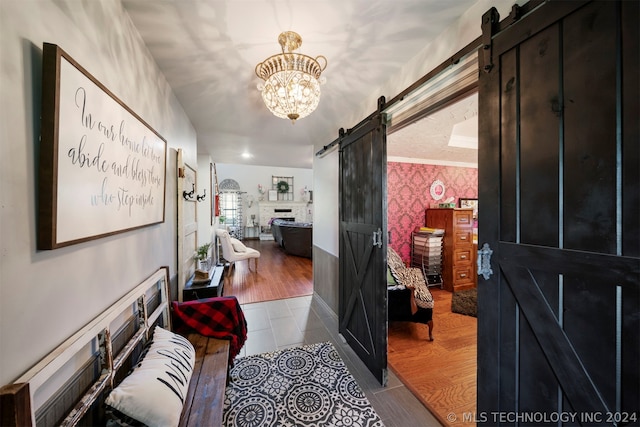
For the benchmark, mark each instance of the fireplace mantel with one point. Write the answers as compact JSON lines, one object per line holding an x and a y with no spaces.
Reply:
{"x":268,"y":210}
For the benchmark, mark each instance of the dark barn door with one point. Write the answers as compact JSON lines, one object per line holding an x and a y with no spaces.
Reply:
{"x":559,"y":319}
{"x":362,"y":304}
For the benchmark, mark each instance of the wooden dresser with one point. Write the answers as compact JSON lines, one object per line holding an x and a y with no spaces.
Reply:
{"x":459,"y":255}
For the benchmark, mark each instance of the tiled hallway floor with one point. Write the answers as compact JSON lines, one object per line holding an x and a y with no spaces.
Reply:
{"x":278,"y":324}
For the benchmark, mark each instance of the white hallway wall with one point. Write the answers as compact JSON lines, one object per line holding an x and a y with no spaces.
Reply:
{"x":45,"y":296}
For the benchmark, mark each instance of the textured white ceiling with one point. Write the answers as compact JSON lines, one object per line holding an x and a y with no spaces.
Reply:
{"x":428,"y":138}
{"x":208,"y":50}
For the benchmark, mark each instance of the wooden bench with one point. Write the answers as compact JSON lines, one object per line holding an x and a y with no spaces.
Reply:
{"x":205,"y":398}
{"x":119,"y":342}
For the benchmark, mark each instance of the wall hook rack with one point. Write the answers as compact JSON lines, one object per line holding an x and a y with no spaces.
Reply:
{"x":188,"y":195}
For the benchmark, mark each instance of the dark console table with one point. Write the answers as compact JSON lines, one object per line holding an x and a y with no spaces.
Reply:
{"x":207,"y":288}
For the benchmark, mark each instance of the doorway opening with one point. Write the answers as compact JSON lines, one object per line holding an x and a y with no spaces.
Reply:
{"x":432,"y":139}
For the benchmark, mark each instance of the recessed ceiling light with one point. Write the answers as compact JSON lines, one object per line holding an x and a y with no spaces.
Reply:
{"x":246,"y":155}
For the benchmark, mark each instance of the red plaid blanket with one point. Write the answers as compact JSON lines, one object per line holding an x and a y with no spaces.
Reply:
{"x":218,"y":317}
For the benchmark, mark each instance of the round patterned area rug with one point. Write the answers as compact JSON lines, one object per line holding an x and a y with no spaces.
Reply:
{"x":300,"y":386}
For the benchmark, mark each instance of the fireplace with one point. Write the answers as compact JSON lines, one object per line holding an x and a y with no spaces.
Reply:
{"x":287,"y":211}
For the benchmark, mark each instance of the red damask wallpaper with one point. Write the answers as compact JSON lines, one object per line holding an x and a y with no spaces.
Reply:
{"x":408,"y":188}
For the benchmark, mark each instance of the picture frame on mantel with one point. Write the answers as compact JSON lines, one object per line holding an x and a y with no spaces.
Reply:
{"x":102,"y":168}
{"x":273,"y":195}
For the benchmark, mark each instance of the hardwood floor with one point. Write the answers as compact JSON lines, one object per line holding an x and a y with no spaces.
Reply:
{"x":279,"y":275}
{"x":440,"y":373}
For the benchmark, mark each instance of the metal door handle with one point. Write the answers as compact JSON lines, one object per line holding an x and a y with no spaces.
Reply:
{"x":377,"y":238}
{"x":484,"y":261}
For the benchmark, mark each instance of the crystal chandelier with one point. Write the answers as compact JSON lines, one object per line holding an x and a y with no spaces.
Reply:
{"x":291,"y":88}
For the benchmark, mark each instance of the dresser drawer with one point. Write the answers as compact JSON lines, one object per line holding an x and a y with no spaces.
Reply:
{"x":462,"y":256}
{"x":463,"y":218}
{"x":463,"y":237}
{"x":462,"y":274}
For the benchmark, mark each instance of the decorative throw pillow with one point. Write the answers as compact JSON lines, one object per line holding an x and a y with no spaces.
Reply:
{"x":395,"y":266}
{"x":238,"y":246}
{"x":154,"y":392}
{"x":391,"y":281}
{"x":397,"y":276}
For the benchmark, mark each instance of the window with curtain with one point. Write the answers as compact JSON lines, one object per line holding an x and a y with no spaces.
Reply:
{"x":231,"y":210}
{"x":231,"y":207}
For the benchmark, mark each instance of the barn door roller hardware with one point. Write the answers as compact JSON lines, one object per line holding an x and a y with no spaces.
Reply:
{"x":490,"y":21}
{"x":491,"y":25}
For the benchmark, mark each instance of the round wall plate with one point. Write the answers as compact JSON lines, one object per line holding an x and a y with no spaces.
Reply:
{"x":437,"y":190}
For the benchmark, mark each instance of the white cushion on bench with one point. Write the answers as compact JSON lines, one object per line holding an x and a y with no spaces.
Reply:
{"x":154,"y":392}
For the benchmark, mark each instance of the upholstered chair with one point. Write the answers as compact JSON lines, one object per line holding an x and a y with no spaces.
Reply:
{"x":409,"y":295}
{"x":234,"y":250}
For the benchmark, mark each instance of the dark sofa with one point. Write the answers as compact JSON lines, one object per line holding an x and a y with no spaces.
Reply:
{"x":294,"y":237}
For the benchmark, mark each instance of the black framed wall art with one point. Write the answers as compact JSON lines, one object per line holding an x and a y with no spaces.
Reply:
{"x":102,"y":168}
